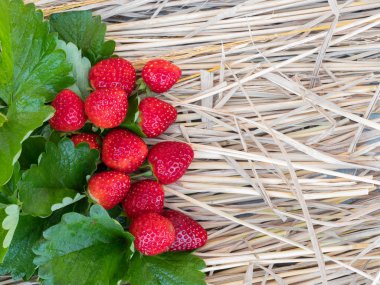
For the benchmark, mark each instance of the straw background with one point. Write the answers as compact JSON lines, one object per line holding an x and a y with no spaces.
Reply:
{"x":280,"y":101}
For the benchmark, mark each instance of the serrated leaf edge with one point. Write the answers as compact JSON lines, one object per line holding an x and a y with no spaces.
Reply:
{"x":10,"y":223}
{"x":67,"y":201}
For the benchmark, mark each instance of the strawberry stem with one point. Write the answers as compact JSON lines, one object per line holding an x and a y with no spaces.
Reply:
{"x":148,"y":173}
{"x":146,"y":164}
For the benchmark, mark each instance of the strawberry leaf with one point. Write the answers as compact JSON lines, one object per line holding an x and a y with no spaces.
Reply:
{"x":32,"y":148}
{"x":81,"y":68}
{"x":171,"y":268}
{"x":8,"y":192}
{"x":18,"y":259}
{"x":61,"y":173}
{"x":3,"y":119}
{"x":3,"y":233}
{"x":10,"y":223}
{"x":84,"y":250}
{"x":85,"y":31}
{"x":67,"y":201}
{"x":32,"y":71}
{"x":9,"y":216}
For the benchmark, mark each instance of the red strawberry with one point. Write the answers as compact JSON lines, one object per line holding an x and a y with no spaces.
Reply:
{"x":160,"y":75}
{"x":189,"y":234}
{"x":155,"y":116}
{"x":153,"y":233}
{"x":123,"y":150}
{"x":109,"y":188}
{"x":69,"y":113}
{"x":93,"y":140}
{"x":170,"y":160}
{"x":145,"y":196}
{"x":113,"y":73}
{"x":106,"y":108}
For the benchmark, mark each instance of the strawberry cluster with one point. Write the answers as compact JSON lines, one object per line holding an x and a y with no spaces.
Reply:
{"x":123,"y":151}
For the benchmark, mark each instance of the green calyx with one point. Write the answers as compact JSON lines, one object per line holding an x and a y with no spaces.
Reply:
{"x":142,"y":88}
{"x":132,"y":120}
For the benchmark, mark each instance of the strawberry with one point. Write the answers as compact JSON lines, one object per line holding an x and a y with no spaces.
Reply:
{"x":113,"y":73}
{"x":109,"y":188}
{"x":123,"y":150}
{"x":153,"y":233}
{"x":93,"y":140}
{"x":69,"y":113}
{"x":155,"y":116}
{"x":144,"y":197}
{"x":189,"y":234}
{"x":170,"y":160}
{"x":106,"y":108}
{"x":160,"y":75}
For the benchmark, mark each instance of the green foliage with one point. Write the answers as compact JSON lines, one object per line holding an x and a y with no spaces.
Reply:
{"x":32,"y":148}
{"x":81,"y":68}
{"x":19,"y":258}
{"x":3,"y":119}
{"x":10,"y":223}
{"x":84,"y":250}
{"x":61,"y":173}
{"x":9,"y":216}
{"x":8,"y":192}
{"x":19,"y":255}
{"x":32,"y":71}
{"x":85,"y":31}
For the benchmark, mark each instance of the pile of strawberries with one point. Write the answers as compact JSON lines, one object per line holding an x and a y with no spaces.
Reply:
{"x":123,"y":151}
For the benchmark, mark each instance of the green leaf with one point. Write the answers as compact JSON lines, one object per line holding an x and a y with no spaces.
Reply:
{"x":131,"y":121}
{"x":32,"y":71}
{"x":67,"y":201}
{"x":10,"y":223}
{"x":172,"y":268}
{"x":8,"y":192}
{"x":85,"y":31}
{"x":84,"y":250}
{"x":19,"y":257}
{"x":14,"y":132}
{"x":81,"y":68}
{"x":9,"y":216}
{"x":3,"y":233}
{"x":32,"y":148}
{"x":61,"y":173}
{"x":3,"y":119}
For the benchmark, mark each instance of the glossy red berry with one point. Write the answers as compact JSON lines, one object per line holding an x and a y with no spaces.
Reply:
{"x":109,"y":188}
{"x":190,"y":234}
{"x":145,"y":196}
{"x":113,"y":73}
{"x":155,"y":116}
{"x":160,"y":75}
{"x":69,"y":113}
{"x":170,"y":160}
{"x":153,"y":233}
{"x":123,"y":150}
{"x":94,"y":140}
{"x":107,"y":108}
